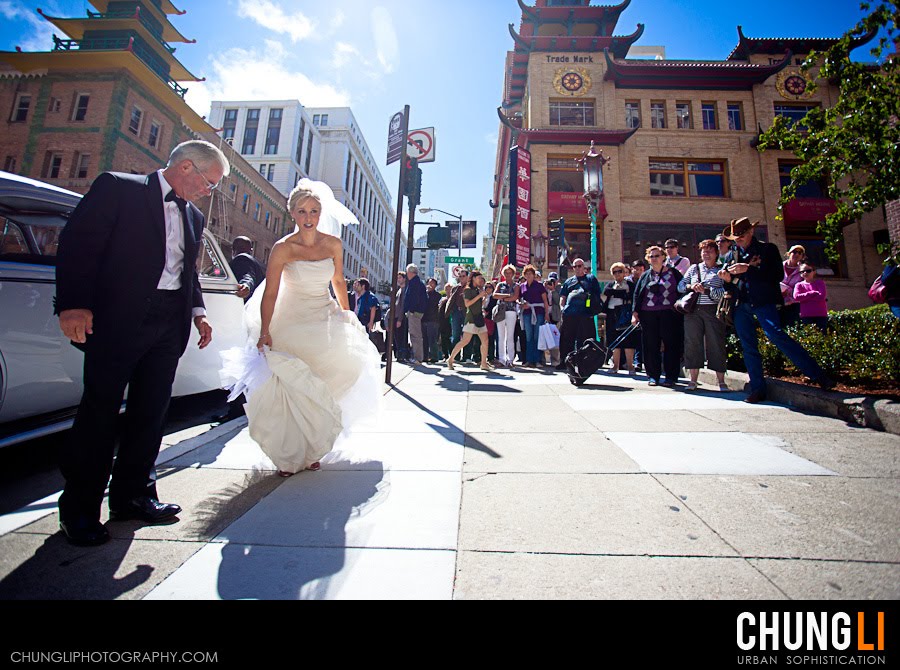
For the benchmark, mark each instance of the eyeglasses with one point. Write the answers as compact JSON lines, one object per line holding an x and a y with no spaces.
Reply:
{"x":656,"y":256}
{"x":806,"y":272}
{"x":796,"y":252}
{"x":618,"y":272}
{"x":209,"y":185}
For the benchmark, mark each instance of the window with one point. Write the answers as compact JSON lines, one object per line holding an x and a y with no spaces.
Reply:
{"x":309,"y":147}
{"x":270,"y":173}
{"x":249,"y":144}
{"x":683,"y":115}
{"x":657,"y":115}
{"x":687,"y":179}
{"x":10,"y":164}
{"x":20,"y":110}
{"x":52,"y":165}
{"x":134,"y":124}
{"x":154,"y":137}
{"x":54,"y":105}
{"x":268,"y":219}
{"x":231,"y":115}
{"x":316,"y":119}
{"x":632,"y":115}
{"x":80,"y":166}
{"x":209,"y":264}
{"x":735,"y":116}
{"x":810,"y":189}
{"x":794,"y":113}
{"x":347,"y":175}
{"x":273,"y":134}
{"x":256,"y":212}
{"x":12,"y":241}
{"x":229,"y":124}
{"x":245,"y":207}
{"x":708,"y":113}
{"x":79,"y":112}
{"x":571,"y":113}
{"x":299,"y":155}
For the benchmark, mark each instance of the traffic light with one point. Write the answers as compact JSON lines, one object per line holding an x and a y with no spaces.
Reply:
{"x":557,"y":232}
{"x":438,"y":237}
{"x":412,"y":187}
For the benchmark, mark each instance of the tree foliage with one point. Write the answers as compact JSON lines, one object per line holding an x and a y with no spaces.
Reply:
{"x":851,"y":147}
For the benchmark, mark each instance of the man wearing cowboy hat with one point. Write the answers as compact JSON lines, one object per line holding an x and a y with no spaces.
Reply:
{"x":754,"y":270}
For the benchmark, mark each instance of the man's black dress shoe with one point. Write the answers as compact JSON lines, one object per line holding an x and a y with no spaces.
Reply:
{"x":146,"y":509}
{"x":84,"y":532}
{"x":755,"y":397}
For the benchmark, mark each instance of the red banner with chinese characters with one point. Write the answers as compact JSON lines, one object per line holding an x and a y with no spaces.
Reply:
{"x":523,"y":208}
{"x":561,"y":203}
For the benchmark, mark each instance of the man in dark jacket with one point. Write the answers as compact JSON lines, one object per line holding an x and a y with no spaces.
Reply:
{"x":247,"y":269}
{"x":579,"y":296}
{"x":414,"y":304}
{"x":754,"y":270}
{"x":430,"y":322}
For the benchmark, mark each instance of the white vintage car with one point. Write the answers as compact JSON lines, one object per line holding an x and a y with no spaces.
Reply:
{"x":40,"y":371}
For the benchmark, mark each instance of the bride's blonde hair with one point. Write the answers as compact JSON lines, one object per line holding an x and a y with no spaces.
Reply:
{"x":303,"y":191}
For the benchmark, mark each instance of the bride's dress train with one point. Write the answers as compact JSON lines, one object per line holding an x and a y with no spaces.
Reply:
{"x":323,"y":372}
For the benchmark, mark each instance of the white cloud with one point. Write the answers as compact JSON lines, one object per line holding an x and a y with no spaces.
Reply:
{"x":386,"y":44}
{"x":297,"y":26}
{"x":491,"y":138}
{"x":40,"y":30}
{"x":249,"y":74}
{"x":345,"y":53}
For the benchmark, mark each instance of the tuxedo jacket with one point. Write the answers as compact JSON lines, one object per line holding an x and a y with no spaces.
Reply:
{"x":248,"y":271}
{"x":112,"y":253}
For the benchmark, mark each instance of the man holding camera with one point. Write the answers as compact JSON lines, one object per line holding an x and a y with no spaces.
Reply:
{"x":579,"y":298}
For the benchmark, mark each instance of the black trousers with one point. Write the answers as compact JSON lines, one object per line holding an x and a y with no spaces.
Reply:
{"x":147,"y":366}
{"x":576,"y":328}
{"x":664,"y":327}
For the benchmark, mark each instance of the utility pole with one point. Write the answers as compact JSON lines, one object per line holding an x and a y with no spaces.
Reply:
{"x":396,"y":263}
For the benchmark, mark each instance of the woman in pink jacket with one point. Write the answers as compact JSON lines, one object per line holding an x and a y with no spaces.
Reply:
{"x":811,"y":294}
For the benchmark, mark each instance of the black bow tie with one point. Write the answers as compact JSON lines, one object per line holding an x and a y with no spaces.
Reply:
{"x":171,"y":196}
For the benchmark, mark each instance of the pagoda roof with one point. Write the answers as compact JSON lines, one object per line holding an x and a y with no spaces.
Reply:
{"x":170,"y":32}
{"x":605,"y":13}
{"x":619,"y":45}
{"x":685,"y":74}
{"x":164,"y":6}
{"x":748,"y":46}
{"x":167,"y":91}
{"x":581,"y":136}
{"x":76,"y":28}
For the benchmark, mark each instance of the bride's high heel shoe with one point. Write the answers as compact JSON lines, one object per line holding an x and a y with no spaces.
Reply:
{"x":315,"y":467}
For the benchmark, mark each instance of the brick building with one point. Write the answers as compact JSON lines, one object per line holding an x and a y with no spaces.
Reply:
{"x":108,"y":98}
{"x":681,"y":137}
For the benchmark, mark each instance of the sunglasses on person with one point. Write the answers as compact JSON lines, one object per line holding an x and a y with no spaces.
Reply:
{"x":618,"y":272}
{"x":579,"y":265}
{"x":806,"y":272}
{"x":656,"y":256}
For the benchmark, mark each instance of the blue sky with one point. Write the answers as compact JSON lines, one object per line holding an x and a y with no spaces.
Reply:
{"x":444,"y":59}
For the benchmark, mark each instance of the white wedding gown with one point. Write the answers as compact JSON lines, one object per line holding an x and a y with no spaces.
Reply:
{"x":323,"y":372}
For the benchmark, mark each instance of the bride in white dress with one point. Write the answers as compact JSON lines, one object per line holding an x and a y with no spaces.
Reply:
{"x":323,"y":371}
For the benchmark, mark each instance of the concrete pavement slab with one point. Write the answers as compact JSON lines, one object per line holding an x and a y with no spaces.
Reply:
{"x":46,"y":567}
{"x":508,"y":389}
{"x":652,"y":401}
{"x":400,"y":399}
{"x":413,"y":421}
{"x":397,"y":451}
{"x":775,"y":419}
{"x":234,"y":451}
{"x":865,"y":454}
{"x":549,"y":453}
{"x":374,"y":508}
{"x":593,"y":514}
{"x":238,"y":571}
{"x":565,"y":421}
{"x":798,"y":517}
{"x":518,"y":405}
{"x":832,"y":580}
{"x":486,"y":576}
{"x":29,"y":514}
{"x":713,"y":454}
{"x":649,"y":421}
{"x":211,"y":499}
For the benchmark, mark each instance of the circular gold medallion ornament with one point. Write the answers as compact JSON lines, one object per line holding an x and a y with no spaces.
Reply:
{"x":572,"y":81}
{"x":793,"y":85}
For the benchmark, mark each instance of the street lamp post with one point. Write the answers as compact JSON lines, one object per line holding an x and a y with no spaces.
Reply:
{"x":426,"y":210}
{"x":540,"y":250}
{"x":592,"y":162}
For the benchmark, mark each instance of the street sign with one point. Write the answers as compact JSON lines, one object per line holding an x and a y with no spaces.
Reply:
{"x":459,"y":260}
{"x":420,"y":145}
{"x":395,"y":138}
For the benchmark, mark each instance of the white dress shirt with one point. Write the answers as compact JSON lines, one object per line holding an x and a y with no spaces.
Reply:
{"x":170,"y":280}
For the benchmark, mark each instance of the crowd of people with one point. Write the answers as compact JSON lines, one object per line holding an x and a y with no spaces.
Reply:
{"x":662,"y":315}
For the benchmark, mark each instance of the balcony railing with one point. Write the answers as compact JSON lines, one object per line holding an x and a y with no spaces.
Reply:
{"x":150,"y":25}
{"x":120,"y":44}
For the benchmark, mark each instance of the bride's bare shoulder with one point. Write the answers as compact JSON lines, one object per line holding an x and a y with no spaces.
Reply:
{"x":330,"y":242}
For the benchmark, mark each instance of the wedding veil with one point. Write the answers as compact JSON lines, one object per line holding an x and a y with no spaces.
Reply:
{"x":334,"y":215}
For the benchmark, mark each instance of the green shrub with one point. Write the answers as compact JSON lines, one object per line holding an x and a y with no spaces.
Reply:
{"x":861,"y":346}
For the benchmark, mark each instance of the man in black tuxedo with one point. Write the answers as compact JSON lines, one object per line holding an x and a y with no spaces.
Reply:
{"x":246,"y":268}
{"x":127,"y":291}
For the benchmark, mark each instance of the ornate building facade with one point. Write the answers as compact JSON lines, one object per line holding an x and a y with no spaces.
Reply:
{"x":681,"y":137}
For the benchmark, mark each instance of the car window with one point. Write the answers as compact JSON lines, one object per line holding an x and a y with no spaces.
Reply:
{"x":209,"y":264}
{"x":12,"y":241}
{"x":46,"y":239}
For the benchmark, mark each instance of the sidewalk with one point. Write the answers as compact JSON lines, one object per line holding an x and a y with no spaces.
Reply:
{"x":508,"y":485}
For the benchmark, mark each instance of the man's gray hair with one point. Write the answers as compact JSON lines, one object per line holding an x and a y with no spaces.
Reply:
{"x":412,"y":267}
{"x":200,"y":153}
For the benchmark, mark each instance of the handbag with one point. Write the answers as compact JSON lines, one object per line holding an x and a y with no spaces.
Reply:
{"x":687,"y":304}
{"x":725,"y":309}
{"x":622,"y":317}
{"x":878,"y":292}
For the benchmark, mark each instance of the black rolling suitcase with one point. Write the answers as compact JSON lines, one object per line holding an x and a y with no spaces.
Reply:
{"x":582,"y":363}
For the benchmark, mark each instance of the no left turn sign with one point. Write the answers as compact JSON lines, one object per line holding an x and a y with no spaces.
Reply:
{"x":420,"y":145}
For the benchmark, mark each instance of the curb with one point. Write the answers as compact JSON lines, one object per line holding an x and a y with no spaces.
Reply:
{"x":861,"y":410}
